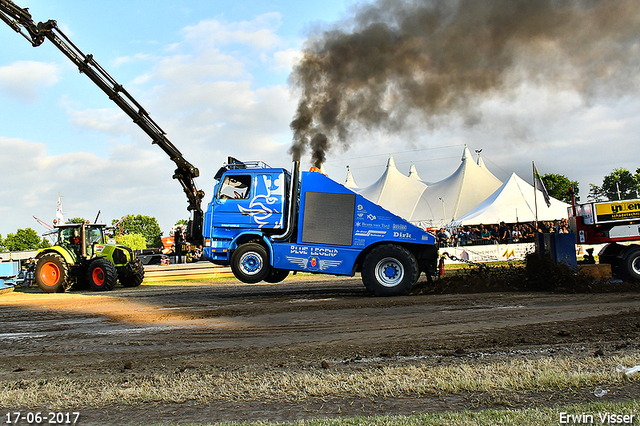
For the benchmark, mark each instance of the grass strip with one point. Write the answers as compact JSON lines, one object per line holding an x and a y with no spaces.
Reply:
{"x":206,"y":384}
{"x":522,"y":417}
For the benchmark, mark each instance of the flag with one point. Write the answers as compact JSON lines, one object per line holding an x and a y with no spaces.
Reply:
{"x":59,"y":217}
{"x":539,"y":185}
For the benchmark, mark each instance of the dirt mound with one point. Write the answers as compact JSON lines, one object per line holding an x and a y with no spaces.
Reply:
{"x":535,"y":274}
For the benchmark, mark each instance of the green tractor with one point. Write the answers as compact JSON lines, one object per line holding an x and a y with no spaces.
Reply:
{"x":82,"y":259}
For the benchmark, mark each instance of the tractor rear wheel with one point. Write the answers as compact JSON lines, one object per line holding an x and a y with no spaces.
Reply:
{"x":52,"y":273}
{"x":102,"y":275}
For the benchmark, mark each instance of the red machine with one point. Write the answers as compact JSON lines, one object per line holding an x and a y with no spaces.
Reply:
{"x":616,"y":223}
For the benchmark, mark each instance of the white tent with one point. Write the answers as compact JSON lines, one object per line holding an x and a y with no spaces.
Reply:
{"x":514,"y":202}
{"x":397,"y":193}
{"x":413,"y":173}
{"x":456,"y":195}
{"x":350,"y":182}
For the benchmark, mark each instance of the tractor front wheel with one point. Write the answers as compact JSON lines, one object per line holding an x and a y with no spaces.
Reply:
{"x":52,"y":273}
{"x":135,"y":276}
{"x":102,"y":275}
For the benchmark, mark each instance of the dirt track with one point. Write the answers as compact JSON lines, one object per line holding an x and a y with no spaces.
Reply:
{"x":294,"y":325}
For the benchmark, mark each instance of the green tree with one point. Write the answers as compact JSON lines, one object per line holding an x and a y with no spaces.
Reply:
{"x":559,"y":187}
{"x":133,"y":241}
{"x":147,"y":226}
{"x":620,"y":184}
{"x":77,"y":220}
{"x":24,"y":239}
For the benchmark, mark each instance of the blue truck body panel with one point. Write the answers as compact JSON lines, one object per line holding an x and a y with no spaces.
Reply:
{"x":334,"y":224}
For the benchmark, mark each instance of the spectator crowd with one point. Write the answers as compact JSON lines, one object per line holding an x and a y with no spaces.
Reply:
{"x":501,"y":233}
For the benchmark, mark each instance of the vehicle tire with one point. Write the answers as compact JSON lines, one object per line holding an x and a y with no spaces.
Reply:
{"x":81,"y":282}
{"x":389,"y":270}
{"x":250,"y":263}
{"x":630,"y":265}
{"x":609,"y":255}
{"x":102,"y":275}
{"x":277,"y":275}
{"x":52,"y":273}
{"x":135,"y":278}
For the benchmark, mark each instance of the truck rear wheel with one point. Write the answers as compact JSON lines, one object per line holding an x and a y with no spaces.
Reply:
{"x":389,"y":270}
{"x":52,"y":273}
{"x":630,"y":265}
{"x":102,"y":275}
{"x":250,"y":263}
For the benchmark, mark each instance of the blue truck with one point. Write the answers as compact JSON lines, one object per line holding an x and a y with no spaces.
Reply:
{"x":267,"y":222}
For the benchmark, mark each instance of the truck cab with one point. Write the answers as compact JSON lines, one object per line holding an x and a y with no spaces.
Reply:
{"x":248,"y":199}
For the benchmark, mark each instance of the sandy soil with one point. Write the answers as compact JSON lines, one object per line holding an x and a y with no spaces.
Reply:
{"x":297,"y":325}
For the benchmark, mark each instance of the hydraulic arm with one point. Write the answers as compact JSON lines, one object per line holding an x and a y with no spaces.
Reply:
{"x":21,"y":21}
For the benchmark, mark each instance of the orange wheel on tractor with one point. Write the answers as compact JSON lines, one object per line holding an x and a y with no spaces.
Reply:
{"x":97,"y":277}
{"x":102,"y":275}
{"x":52,"y":273}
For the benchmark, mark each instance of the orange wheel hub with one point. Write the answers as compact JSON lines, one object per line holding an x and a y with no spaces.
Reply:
{"x":98,"y":276}
{"x":50,"y":274}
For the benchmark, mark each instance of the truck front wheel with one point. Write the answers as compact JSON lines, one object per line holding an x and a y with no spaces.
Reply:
{"x":250,"y":263}
{"x":102,"y":275}
{"x":630,"y":265}
{"x":389,"y":270}
{"x":52,"y":273}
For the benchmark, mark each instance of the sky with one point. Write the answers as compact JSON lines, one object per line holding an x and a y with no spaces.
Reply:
{"x":215,"y":76}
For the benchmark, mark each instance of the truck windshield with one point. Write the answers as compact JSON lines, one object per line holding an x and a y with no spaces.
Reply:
{"x":235,"y":187}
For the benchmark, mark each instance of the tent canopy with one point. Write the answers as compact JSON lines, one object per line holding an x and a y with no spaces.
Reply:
{"x":456,"y":195}
{"x":514,"y":202}
{"x":396,"y":192}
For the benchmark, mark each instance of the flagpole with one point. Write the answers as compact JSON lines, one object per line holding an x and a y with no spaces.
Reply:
{"x":535,"y":193}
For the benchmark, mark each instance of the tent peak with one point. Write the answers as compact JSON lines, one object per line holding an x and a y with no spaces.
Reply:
{"x":350,"y":182}
{"x":465,"y":153}
{"x":413,"y":172}
{"x":391,"y":163}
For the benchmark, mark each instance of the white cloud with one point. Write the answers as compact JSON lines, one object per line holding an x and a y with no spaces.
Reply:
{"x":285,"y":59}
{"x":22,"y":79}
{"x":138,"y":57}
{"x":131,"y":180}
{"x":258,"y":33}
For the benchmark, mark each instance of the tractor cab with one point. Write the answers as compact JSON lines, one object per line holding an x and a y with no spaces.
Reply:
{"x":80,"y":238}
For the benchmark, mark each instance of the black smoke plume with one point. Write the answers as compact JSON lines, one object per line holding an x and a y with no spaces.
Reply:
{"x":438,"y":58}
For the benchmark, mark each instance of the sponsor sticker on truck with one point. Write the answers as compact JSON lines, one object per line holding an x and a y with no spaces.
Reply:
{"x":617,"y":210}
